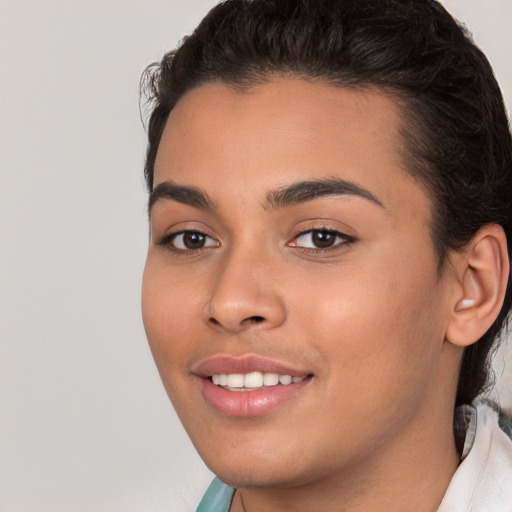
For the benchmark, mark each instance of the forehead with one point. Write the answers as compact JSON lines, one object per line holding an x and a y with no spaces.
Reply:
{"x":284,"y":131}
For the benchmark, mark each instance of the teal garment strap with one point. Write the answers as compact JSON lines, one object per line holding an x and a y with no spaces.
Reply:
{"x":217,"y":498}
{"x":505,"y":424}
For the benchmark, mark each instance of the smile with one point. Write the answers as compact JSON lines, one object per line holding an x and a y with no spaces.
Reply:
{"x":250,"y":386}
{"x":253,"y":380}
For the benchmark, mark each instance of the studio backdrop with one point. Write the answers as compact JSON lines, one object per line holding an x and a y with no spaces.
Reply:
{"x":85,"y":425}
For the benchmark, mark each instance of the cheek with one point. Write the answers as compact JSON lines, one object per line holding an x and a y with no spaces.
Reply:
{"x":166,"y":312}
{"x":376,"y":327}
{"x":169,"y":318}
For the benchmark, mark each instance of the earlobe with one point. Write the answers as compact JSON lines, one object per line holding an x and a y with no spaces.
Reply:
{"x":483,"y":267}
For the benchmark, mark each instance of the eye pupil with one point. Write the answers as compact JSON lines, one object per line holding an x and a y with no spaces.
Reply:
{"x":323,"y":239}
{"x":193,"y":240}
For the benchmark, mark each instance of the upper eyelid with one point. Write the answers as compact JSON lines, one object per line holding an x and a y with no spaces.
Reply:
{"x":327,"y":229}
{"x":322,"y":224}
{"x":321,"y":228}
{"x":346,"y":239}
{"x":174,"y":229}
{"x":167,"y":237}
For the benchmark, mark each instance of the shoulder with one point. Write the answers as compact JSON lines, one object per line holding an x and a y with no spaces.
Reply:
{"x":483,"y":480}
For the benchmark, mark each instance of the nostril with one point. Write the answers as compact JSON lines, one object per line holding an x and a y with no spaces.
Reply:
{"x":234,"y":324}
{"x":255,"y":319}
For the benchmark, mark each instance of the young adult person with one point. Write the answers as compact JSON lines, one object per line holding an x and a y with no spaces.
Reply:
{"x":331,"y":211}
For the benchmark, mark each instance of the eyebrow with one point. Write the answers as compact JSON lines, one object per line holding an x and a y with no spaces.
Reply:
{"x":290,"y":195}
{"x":304,"y":191}
{"x":190,"y":196}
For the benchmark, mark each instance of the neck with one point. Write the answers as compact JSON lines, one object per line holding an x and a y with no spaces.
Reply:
{"x":410,"y":473}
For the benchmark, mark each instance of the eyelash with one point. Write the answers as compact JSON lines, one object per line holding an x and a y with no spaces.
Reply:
{"x":168,"y":240}
{"x":344,"y":240}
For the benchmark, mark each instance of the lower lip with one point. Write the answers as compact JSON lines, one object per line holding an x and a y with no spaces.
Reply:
{"x":249,"y":404}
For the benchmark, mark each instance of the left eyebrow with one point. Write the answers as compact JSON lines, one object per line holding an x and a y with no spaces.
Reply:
{"x":304,"y":191}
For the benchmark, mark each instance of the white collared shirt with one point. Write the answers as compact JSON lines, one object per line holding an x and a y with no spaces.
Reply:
{"x":483,"y":480}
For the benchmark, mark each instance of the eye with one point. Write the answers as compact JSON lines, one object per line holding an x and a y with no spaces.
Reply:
{"x":320,"y":239}
{"x":188,"y":241}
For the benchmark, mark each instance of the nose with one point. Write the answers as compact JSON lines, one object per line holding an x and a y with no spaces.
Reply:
{"x":244,"y":295}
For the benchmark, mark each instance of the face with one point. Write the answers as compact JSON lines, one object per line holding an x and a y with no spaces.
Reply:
{"x":291,"y":296}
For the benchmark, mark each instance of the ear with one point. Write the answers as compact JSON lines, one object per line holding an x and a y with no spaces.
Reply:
{"x":483,"y":268}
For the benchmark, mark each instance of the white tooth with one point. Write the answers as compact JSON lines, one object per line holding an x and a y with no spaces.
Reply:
{"x":253,"y":380}
{"x":297,"y":379}
{"x":223,"y":379}
{"x":270,"y":379}
{"x":216,"y":379}
{"x":285,"y":379}
{"x":235,"y":380}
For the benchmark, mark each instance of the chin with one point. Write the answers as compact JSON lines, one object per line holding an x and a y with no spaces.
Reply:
{"x":275,"y":465}
{"x":249,"y":475}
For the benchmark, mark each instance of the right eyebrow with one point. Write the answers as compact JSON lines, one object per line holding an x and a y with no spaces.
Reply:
{"x":191,"y":196}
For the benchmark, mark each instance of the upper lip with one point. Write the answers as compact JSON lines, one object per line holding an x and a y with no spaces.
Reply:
{"x":245,"y":364}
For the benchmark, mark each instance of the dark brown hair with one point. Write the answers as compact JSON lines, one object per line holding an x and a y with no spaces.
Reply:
{"x":457,"y":141}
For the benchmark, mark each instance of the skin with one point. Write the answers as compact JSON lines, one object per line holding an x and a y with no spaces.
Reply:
{"x":367,"y":317}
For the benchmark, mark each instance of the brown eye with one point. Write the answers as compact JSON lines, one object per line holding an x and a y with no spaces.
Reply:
{"x":323,"y":239}
{"x":191,"y":240}
{"x":320,"y":239}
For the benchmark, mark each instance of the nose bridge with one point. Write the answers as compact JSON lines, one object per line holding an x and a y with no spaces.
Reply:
{"x":243,"y":293}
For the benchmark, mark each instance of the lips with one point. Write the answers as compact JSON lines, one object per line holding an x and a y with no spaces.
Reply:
{"x":249,"y":386}
{"x":245,"y":364}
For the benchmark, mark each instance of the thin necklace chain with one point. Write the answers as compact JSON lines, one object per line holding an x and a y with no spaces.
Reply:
{"x":242,"y":502}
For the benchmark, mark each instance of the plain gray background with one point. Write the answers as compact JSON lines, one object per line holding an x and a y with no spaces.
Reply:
{"x":85,"y":425}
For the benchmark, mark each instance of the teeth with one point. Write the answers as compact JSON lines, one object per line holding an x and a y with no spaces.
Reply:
{"x":285,"y":379}
{"x":253,"y":380}
{"x":270,"y":379}
{"x":235,"y":380}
